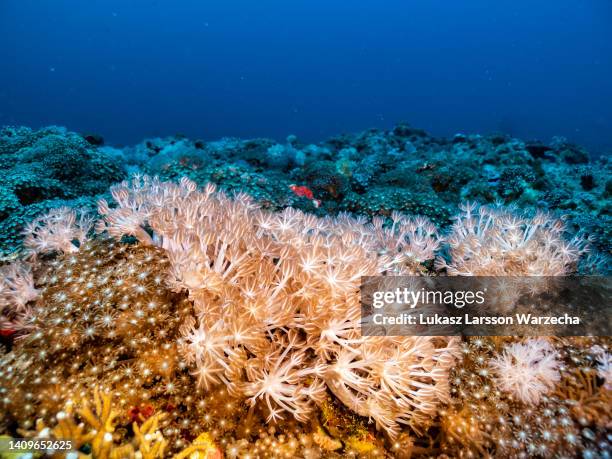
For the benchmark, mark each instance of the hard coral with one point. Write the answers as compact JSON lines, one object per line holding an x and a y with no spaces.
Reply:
{"x":376,"y":172}
{"x":45,"y":169}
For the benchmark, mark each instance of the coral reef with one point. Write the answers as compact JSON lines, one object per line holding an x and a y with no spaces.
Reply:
{"x":277,"y":303}
{"x":213,"y":310}
{"x":371,"y":173}
{"x":570,"y":417}
{"x":46,"y":169}
{"x":404,"y":169}
{"x":195,"y":324}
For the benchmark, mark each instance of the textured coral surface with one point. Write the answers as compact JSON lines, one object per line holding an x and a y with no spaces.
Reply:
{"x":371,"y":173}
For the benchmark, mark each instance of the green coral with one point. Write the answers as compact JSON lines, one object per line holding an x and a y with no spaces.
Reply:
{"x":385,"y":200}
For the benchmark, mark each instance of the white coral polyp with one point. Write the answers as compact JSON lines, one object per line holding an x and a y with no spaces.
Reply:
{"x":604,"y":365}
{"x":17,"y":289}
{"x":488,"y":241}
{"x":60,"y":230}
{"x":16,"y":286}
{"x":527,"y":370}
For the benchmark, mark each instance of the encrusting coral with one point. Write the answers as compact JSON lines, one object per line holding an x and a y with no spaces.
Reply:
{"x":205,"y":325}
{"x":103,"y":319}
{"x":484,"y":420}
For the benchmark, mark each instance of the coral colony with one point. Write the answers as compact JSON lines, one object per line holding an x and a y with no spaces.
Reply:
{"x":185,"y":319}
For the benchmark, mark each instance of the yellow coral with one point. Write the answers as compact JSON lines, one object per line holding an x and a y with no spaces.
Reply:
{"x":202,"y":447}
{"x":151,"y":443}
{"x":97,"y":431}
{"x":101,"y":420}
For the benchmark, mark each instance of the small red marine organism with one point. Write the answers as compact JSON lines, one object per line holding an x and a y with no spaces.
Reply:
{"x":7,"y":332}
{"x":190,"y":162}
{"x":140,"y":413}
{"x":305,"y":192}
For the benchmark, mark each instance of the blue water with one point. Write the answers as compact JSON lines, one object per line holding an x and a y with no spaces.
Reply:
{"x":129,"y":69}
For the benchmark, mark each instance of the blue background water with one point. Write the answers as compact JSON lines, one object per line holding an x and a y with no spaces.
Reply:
{"x":129,"y":69}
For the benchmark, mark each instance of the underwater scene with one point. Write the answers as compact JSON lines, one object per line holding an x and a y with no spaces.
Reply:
{"x":220,"y":237}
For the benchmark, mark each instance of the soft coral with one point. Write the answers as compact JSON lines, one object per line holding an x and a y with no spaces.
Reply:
{"x":61,"y":230}
{"x":16,"y":291}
